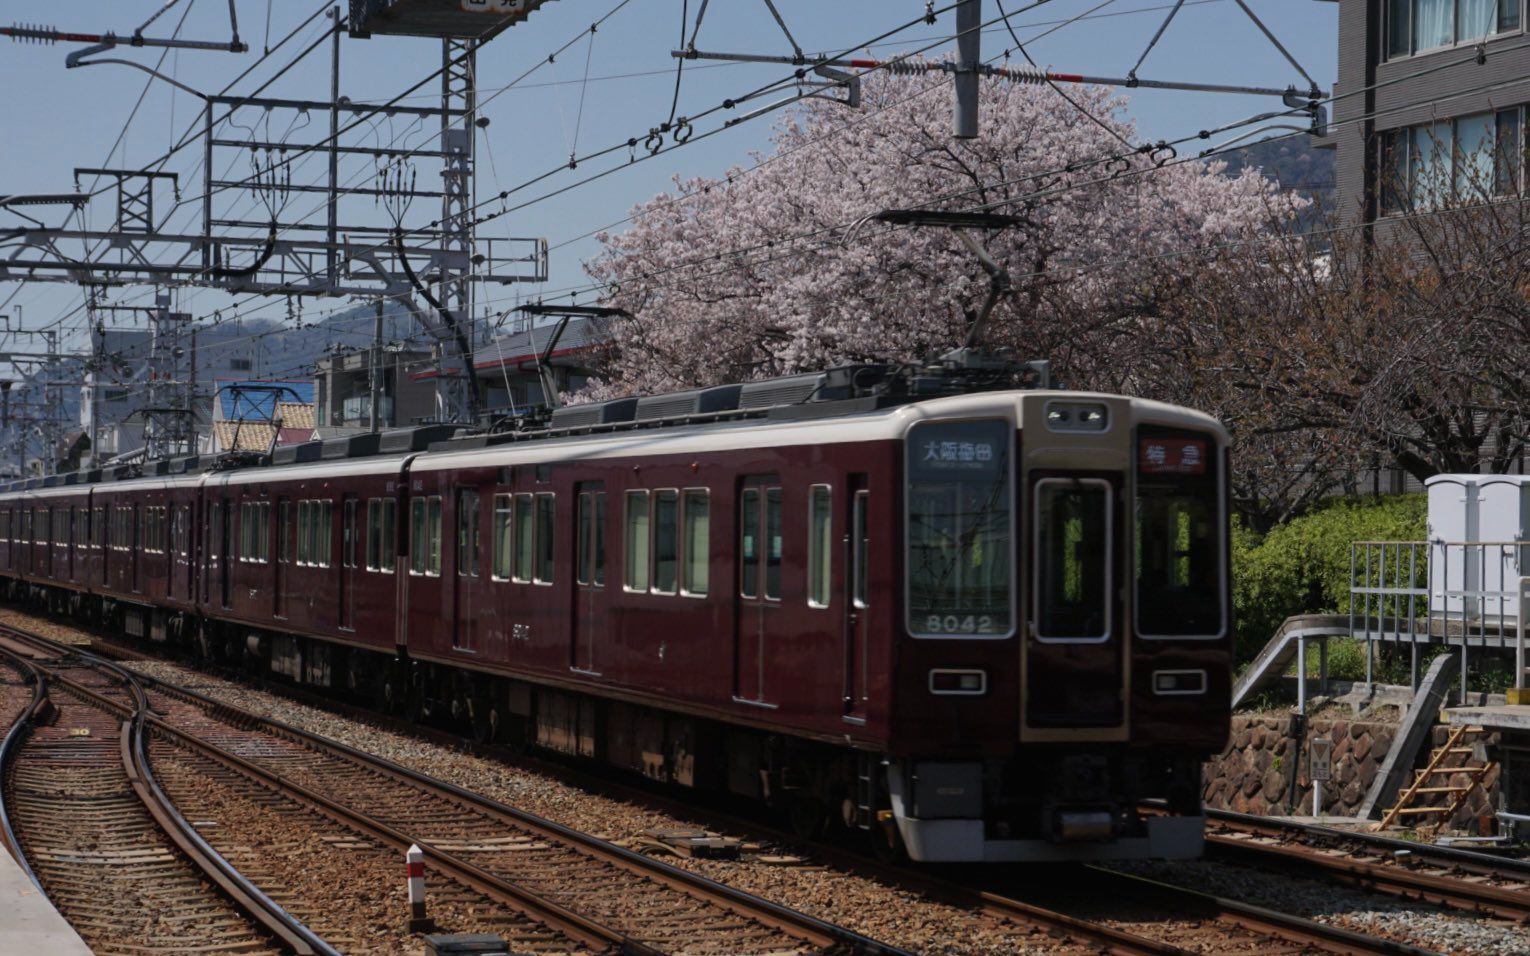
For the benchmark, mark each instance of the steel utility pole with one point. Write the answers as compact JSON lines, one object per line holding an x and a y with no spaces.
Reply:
{"x":375,"y":372}
{"x":969,"y":56}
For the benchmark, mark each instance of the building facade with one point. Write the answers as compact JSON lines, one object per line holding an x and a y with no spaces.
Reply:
{"x":1431,"y":105}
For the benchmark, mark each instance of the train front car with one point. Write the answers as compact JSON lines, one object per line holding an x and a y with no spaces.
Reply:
{"x":1066,"y":629}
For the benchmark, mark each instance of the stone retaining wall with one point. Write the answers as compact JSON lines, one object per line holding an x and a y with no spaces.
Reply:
{"x":1253,"y":774}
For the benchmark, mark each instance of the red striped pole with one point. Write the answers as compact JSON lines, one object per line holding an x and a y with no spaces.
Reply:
{"x":415,"y":863}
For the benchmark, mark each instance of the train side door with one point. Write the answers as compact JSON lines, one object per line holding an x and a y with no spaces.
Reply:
{"x":857,"y":598}
{"x":467,"y":572}
{"x":759,"y":582}
{"x":225,"y":551}
{"x":589,"y":574}
{"x":349,"y":529}
{"x":283,"y":565}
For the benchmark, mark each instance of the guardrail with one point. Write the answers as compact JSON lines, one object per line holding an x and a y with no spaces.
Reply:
{"x":1471,"y":594}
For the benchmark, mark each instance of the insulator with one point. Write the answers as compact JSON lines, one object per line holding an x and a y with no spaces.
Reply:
{"x":1026,"y":75}
{"x":910,"y":67}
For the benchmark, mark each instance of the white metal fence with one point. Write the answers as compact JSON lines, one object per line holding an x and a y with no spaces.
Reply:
{"x":1471,"y":594}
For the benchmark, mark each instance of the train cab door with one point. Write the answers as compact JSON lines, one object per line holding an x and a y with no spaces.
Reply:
{"x":857,"y":604}
{"x":1075,"y":649}
{"x":589,"y":574}
{"x":759,"y":583}
{"x":350,"y":531}
{"x":283,"y":564}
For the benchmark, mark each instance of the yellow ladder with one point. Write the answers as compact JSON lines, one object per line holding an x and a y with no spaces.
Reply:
{"x":1441,"y":765}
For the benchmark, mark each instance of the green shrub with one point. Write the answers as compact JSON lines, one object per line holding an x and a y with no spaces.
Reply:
{"x":1303,"y":566}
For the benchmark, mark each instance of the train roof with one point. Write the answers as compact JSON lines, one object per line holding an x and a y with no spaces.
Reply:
{"x":847,"y":404}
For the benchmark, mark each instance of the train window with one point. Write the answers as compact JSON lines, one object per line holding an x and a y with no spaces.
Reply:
{"x":425,"y":536}
{"x":697,"y":542}
{"x":820,"y":544}
{"x":382,"y":545}
{"x":546,"y":513}
{"x":1178,"y":537}
{"x":467,"y":533}
{"x":773,"y":544}
{"x":1072,"y":562}
{"x":504,"y":540}
{"x":349,"y":534}
{"x":960,"y":552}
{"x":637,"y":541}
{"x":666,"y":541}
{"x":304,"y":536}
{"x":325,"y":532}
{"x":283,"y":532}
{"x":388,"y":553}
{"x":417,"y":561}
{"x":749,"y":546}
{"x":525,"y":539}
{"x":592,"y":538}
{"x":862,"y":544}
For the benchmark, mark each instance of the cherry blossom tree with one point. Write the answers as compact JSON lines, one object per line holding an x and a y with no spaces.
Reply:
{"x":773,"y":270}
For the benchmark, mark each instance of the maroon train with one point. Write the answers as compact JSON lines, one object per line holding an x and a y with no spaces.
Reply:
{"x":983,"y":626}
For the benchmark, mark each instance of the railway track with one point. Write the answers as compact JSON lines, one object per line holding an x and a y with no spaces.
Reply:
{"x":1178,"y":921}
{"x":601,"y":897}
{"x":1464,"y":880}
{"x":90,"y":826}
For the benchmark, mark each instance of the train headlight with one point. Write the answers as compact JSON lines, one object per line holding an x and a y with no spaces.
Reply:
{"x":1077,"y":417}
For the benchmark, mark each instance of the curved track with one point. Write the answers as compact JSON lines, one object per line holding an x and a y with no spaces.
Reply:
{"x":596,"y":895}
{"x":88,"y":821}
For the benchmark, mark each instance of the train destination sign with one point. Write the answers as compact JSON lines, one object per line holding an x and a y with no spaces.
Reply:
{"x":1172,"y":456}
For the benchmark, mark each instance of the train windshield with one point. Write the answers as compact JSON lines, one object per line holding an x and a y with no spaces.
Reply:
{"x":960,"y":577}
{"x":1179,"y":539}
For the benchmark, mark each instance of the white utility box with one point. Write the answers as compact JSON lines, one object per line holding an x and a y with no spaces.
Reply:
{"x":1477,"y":526}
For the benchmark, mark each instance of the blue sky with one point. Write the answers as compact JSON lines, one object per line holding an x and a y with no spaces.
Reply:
{"x":58,"y":119}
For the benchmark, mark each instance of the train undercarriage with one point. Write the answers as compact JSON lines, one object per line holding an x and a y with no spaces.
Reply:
{"x":1046,"y":803}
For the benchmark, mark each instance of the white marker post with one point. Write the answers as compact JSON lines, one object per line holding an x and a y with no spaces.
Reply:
{"x":418,"y":921}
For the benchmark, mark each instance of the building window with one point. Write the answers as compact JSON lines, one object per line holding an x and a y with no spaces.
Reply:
{"x":1416,"y":26}
{"x":240,"y":365}
{"x":1465,"y":160}
{"x":820,"y":545}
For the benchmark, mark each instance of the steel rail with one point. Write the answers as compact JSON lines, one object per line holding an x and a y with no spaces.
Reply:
{"x":261,"y":909}
{"x":809,"y":929}
{"x":1392,"y":878}
{"x":1296,"y":929}
{"x":993,"y":904}
{"x":34,"y":713}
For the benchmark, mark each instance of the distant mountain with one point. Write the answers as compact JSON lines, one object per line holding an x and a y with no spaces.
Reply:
{"x":1293,"y":163}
